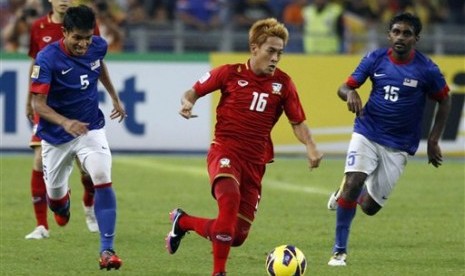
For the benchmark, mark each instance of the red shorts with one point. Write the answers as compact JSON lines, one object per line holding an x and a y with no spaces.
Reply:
{"x":35,"y":140}
{"x":224,"y":163}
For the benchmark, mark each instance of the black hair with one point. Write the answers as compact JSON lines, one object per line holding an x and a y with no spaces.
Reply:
{"x":408,"y":18}
{"x":81,"y":18}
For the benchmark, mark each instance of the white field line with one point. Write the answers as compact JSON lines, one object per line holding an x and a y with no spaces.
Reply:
{"x":196,"y":171}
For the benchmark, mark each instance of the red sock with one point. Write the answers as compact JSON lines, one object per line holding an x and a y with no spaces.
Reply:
{"x":39,"y":198}
{"x":58,"y":204}
{"x":201,"y":226}
{"x":228,"y":198}
{"x":88,"y":197}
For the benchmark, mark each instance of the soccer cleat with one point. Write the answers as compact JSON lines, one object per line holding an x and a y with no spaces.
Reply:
{"x":338,"y":259}
{"x":109,"y":260}
{"x":91,"y":220}
{"x":62,"y":220}
{"x":174,"y":237}
{"x":40,"y":232}
{"x":332,"y":201}
{"x":220,"y":274}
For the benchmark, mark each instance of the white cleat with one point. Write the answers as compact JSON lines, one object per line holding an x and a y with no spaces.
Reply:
{"x":332,"y":201}
{"x":91,"y":220}
{"x":338,"y":259}
{"x":40,"y":232}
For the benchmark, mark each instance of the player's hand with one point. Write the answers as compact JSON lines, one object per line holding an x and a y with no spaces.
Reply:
{"x":314,"y":157}
{"x":75,"y":127}
{"x":434,"y":154}
{"x":354,"y":102}
{"x":186,"y":109}
{"x":118,"y":111}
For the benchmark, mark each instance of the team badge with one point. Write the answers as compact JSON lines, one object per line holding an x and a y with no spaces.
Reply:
{"x":225,"y":163}
{"x":276,"y":88}
{"x":242,"y":83}
{"x":410,"y":82}
{"x":35,"y":71}
{"x":94,"y":65}
{"x":47,"y":39}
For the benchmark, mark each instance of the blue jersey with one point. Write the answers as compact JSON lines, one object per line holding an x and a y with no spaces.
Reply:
{"x":70,"y":83}
{"x":393,"y":113}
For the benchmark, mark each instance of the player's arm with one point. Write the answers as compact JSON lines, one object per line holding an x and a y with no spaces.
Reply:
{"x":73,"y":127}
{"x":29,"y":109}
{"x":351,"y":96}
{"x":188,"y":100}
{"x":118,"y":109}
{"x":433,"y":149}
{"x":302,"y":132}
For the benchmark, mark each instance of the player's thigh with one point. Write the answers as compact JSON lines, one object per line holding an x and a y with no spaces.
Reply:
{"x":383,"y":180}
{"x":361,"y":155}
{"x":251,"y":189}
{"x":222,"y":163}
{"x":57,"y":167}
{"x":94,"y":155}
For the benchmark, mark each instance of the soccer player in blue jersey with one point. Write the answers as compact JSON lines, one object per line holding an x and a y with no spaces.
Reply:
{"x":388,"y":128}
{"x":64,"y":93}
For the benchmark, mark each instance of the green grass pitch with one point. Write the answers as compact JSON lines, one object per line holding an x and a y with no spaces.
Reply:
{"x":419,"y":232}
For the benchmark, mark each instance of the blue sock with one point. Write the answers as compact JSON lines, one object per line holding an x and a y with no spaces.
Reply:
{"x":105,"y":212}
{"x":345,"y":213}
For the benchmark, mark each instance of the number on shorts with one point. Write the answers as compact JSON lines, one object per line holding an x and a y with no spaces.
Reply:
{"x":351,"y":158}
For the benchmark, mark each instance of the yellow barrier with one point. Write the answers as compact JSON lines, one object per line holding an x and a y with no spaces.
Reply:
{"x":317,"y":79}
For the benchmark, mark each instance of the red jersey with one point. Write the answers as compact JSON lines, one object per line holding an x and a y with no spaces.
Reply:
{"x":249,"y":107}
{"x":44,"y":32}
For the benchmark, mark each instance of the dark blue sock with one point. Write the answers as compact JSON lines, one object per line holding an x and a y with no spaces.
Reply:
{"x":345,"y":213}
{"x":105,"y":212}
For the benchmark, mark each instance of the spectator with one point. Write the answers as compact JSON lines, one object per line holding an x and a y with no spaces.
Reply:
{"x":428,"y":11}
{"x":323,"y":28}
{"x":109,"y":25}
{"x":358,"y":19}
{"x":360,"y":8}
{"x":384,"y":10}
{"x":278,"y":6}
{"x":136,"y":12}
{"x":293,"y":14}
{"x":246,"y":12}
{"x":9,"y":10}
{"x":202,"y":15}
{"x":15,"y":35}
{"x":161,"y":11}
{"x":294,"y":21}
{"x":456,"y":11}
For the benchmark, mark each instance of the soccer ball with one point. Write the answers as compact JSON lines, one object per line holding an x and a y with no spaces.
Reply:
{"x":286,"y":260}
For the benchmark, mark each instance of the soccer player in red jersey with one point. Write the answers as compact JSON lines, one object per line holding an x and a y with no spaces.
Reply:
{"x":253,"y":97}
{"x":44,"y":31}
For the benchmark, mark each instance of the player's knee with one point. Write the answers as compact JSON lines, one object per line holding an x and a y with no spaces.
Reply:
{"x":226,"y":185}
{"x":352,"y":191}
{"x":241,"y":233}
{"x":370,"y":208}
{"x":239,"y":238}
{"x":98,"y":166}
{"x":60,"y":206}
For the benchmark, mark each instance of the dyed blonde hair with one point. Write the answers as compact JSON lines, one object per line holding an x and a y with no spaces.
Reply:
{"x":264,"y":28}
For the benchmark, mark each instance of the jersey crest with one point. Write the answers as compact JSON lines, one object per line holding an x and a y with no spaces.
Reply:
{"x":276,"y":88}
{"x":410,"y":82}
{"x":242,"y":83}
{"x":94,"y":65}
{"x":35,"y":71}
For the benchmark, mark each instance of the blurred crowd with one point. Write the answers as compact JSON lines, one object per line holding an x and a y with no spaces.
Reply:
{"x":317,"y":26}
